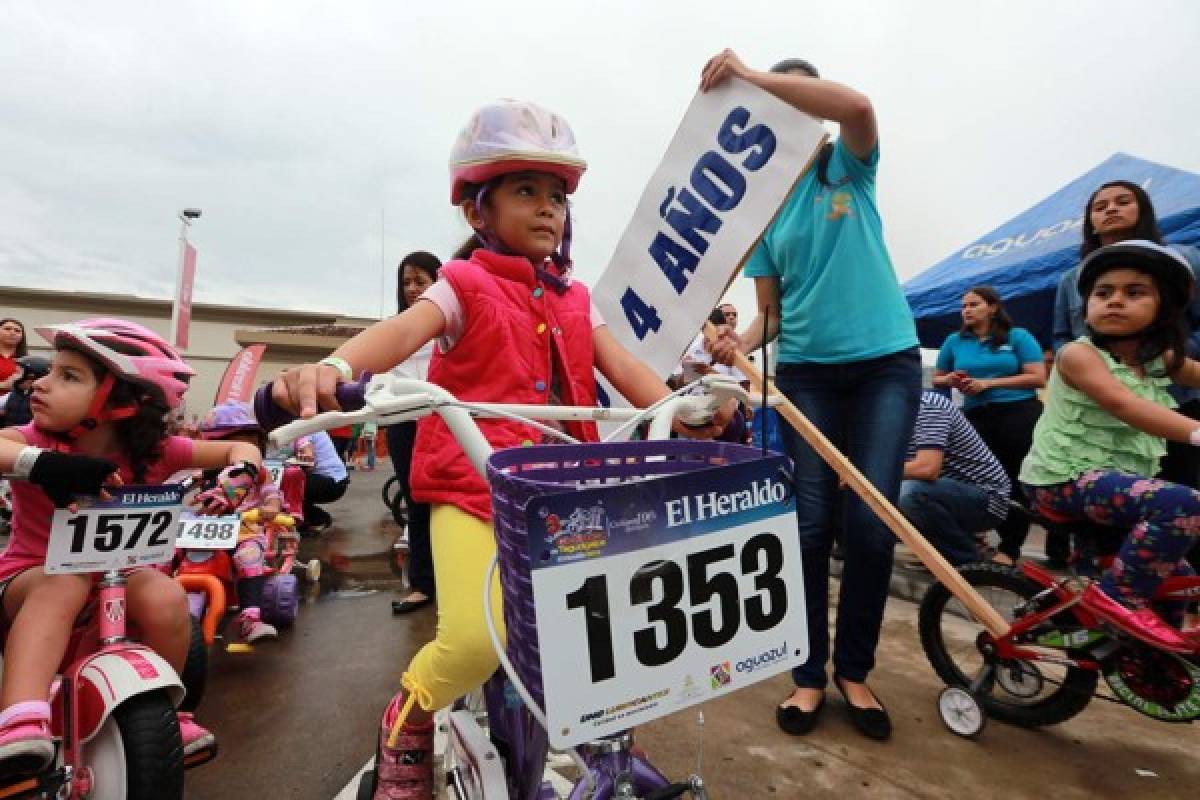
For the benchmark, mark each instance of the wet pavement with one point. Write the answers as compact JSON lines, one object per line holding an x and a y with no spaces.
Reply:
{"x":297,"y":718}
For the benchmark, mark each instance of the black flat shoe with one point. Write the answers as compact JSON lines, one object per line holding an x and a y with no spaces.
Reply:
{"x":408,"y":606}
{"x":874,"y":723}
{"x":796,"y":721}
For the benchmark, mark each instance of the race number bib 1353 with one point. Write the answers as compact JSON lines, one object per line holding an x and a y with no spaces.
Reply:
{"x":657,"y":595}
{"x":136,"y":527}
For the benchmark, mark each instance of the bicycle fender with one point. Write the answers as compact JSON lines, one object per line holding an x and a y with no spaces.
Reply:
{"x":105,"y":680}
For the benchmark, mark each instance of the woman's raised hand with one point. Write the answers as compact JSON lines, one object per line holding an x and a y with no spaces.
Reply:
{"x":719,"y":69}
{"x":305,"y":389}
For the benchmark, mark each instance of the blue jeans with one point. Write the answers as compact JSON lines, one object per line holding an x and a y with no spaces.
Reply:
{"x":948,"y":513}
{"x":867,"y":409}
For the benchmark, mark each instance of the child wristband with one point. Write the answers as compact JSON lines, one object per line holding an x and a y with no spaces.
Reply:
{"x":23,"y":466}
{"x":341,"y":365}
{"x":1194,"y":438}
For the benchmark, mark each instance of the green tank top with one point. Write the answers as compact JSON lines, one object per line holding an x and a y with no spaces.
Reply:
{"x":1075,"y":435}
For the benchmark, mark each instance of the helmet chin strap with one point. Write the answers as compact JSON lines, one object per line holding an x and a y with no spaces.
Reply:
{"x":97,"y":413}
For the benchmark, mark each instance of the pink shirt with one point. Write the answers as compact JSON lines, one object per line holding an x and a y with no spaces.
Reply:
{"x":32,"y":509}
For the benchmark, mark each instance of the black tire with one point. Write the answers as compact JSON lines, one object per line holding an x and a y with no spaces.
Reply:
{"x":1036,"y":694}
{"x":153,"y":747}
{"x":195,"y":670}
{"x":366,"y":786}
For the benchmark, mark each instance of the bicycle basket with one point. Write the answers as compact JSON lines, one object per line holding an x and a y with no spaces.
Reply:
{"x":521,"y":474}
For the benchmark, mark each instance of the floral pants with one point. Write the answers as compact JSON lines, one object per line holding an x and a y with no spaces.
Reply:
{"x":1163,"y":520}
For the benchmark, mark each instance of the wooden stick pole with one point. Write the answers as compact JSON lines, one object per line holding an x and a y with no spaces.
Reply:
{"x":899,"y":525}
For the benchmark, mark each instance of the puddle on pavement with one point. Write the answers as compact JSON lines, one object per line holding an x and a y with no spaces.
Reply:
{"x":354,"y":562}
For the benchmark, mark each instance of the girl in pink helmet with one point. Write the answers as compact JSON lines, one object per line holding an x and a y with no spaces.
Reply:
{"x":510,"y":291}
{"x":99,"y":419}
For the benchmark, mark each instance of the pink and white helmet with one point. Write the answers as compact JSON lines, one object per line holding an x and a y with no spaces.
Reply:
{"x":151,"y":363}
{"x":511,"y":136}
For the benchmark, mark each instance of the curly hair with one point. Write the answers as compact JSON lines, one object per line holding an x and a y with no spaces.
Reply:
{"x":141,"y":435}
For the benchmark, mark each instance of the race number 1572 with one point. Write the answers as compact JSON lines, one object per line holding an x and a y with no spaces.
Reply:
{"x":119,"y":531}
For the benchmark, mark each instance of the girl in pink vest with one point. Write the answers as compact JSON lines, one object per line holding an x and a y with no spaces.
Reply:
{"x":512,"y":326}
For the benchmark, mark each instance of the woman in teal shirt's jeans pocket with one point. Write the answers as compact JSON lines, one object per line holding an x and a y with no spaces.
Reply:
{"x":999,"y":369}
{"x":848,"y":360}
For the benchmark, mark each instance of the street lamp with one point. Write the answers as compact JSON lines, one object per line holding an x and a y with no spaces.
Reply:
{"x":183,"y":281}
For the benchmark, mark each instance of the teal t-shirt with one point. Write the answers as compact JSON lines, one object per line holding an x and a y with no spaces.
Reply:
{"x":841,"y":300}
{"x":979,"y":360}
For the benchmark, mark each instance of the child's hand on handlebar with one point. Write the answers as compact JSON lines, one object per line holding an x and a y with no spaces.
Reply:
{"x":306,"y":389}
{"x":63,"y":475}
{"x":713,"y":429}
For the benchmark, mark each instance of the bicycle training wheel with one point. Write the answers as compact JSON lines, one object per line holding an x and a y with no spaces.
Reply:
{"x":1025,"y":693}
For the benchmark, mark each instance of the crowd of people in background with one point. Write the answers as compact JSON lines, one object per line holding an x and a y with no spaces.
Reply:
{"x":998,"y":432}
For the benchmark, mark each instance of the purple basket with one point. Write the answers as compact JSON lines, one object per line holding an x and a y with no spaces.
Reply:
{"x":521,"y":474}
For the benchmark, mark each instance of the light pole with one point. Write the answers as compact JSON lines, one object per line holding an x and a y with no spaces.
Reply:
{"x":183,"y":282}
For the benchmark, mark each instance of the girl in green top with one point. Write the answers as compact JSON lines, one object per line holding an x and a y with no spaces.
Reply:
{"x":1104,"y":428}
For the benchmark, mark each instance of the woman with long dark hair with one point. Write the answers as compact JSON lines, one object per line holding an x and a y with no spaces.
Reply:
{"x":417,"y":272}
{"x":12,"y":347}
{"x":1115,"y":211}
{"x":999,"y":368}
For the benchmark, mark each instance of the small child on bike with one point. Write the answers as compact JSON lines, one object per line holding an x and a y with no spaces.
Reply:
{"x":99,"y":419}
{"x":1103,"y":432}
{"x":235,"y":422}
{"x":511,"y":325}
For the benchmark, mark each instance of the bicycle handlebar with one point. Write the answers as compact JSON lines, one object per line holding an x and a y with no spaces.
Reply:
{"x":389,"y":399}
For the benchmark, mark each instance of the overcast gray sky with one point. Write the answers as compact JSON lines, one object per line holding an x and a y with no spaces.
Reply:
{"x":314,"y":135}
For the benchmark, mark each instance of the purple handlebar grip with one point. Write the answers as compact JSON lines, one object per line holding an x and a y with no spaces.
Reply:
{"x":350,"y":396}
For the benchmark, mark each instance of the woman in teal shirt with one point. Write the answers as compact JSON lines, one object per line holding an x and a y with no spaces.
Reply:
{"x":998,"y":368}
{"x":848,"y":360}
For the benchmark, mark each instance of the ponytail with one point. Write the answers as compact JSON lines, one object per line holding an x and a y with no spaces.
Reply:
{"x":464,"y":251}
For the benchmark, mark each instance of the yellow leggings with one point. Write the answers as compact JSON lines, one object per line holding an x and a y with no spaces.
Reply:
{"x":461,"y":657}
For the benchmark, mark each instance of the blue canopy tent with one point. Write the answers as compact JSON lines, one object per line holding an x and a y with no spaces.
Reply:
{"x":1024,"y":258}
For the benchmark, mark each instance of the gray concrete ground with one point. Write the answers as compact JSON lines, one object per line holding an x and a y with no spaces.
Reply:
{"x":297,"y":718}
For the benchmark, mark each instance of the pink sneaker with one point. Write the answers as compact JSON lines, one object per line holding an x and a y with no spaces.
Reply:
{"x":195,"y":738}
{"x":253,"y":628}
{"x":404,"y":772}
{"x":1142,"y":623}
{"x":25,"y":743}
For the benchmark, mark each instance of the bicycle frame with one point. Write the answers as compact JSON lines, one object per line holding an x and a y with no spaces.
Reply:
{"x":1066,"y":599}
{"x":609,"y":767}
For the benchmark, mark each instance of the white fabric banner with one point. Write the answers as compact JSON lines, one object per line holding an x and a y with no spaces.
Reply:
{"x":736,"y":156}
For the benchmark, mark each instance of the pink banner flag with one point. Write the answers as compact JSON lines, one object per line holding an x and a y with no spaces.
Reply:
{"x":238,"y":382}
{"x":183,"y":298}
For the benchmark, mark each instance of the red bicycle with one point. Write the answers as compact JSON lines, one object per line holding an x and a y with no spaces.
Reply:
{"x":1046,"y":668}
